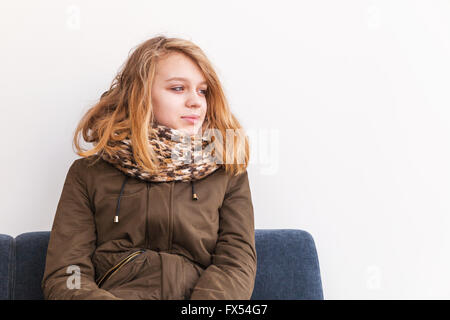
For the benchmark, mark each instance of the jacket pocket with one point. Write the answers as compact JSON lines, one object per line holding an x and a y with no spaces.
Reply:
{"x":117,"y":267}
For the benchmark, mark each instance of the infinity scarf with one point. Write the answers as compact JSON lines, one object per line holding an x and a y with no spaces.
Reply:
{"x":180,"y":157}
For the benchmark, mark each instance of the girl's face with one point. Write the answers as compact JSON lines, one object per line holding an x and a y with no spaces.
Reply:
{"x":178,"y":92}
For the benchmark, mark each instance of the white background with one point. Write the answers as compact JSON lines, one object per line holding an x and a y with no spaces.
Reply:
{"x":346,"y":104}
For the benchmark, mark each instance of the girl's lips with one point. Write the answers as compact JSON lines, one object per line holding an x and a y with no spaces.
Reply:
{"x":190,"y":119}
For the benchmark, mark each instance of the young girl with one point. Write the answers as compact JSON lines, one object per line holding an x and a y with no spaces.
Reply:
{"x":160,"y":207}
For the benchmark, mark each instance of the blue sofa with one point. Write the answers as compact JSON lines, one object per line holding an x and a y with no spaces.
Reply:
{"x":288,"y":266}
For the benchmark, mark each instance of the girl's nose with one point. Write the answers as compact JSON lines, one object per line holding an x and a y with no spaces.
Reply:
{"x":193,"y":101}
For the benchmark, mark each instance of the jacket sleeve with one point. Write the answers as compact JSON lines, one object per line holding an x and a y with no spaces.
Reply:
{"x":69,"y":272}
{"x":231,"y":275}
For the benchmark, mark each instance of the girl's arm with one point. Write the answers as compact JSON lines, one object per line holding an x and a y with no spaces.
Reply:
{"x":72,"y":243}
{"x":231,"y":275}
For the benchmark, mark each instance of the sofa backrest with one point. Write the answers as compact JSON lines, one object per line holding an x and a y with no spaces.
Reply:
{"x":6,"y":265}
{"x":287,"y":266}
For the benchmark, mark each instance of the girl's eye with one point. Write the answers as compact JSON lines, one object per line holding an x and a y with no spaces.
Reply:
{"x":205,"y":91}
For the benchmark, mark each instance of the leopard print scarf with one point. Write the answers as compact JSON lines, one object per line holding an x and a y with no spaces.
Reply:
{"x":181,"y":157}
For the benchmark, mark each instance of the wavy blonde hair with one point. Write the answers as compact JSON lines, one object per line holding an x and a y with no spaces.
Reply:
{"x":126,"y":109}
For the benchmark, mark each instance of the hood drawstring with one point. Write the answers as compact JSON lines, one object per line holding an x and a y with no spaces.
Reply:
{"x":194,"y":195}
{"x":116,"y":217}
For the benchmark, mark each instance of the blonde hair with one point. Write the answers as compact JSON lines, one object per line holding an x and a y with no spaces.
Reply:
{"x":126,"y":109}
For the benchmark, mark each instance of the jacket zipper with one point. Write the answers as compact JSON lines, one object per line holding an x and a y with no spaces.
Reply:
{"x":116,"y":267}
{"x":171,"y":215}
{"x":146,"y":215}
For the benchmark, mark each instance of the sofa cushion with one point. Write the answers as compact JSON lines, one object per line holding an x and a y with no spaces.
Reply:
{"x":31,"y":250}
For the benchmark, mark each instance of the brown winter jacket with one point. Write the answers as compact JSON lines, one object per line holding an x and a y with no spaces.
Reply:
{"x":165,"y":245}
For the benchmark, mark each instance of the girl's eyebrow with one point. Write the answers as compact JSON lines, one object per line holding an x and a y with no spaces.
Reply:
{"x":183,"y":79}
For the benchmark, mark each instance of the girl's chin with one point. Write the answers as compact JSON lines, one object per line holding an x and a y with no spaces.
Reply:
{"x":190,"y":130}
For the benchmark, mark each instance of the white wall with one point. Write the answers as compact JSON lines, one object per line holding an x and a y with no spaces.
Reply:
{"x":353,"y":97}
